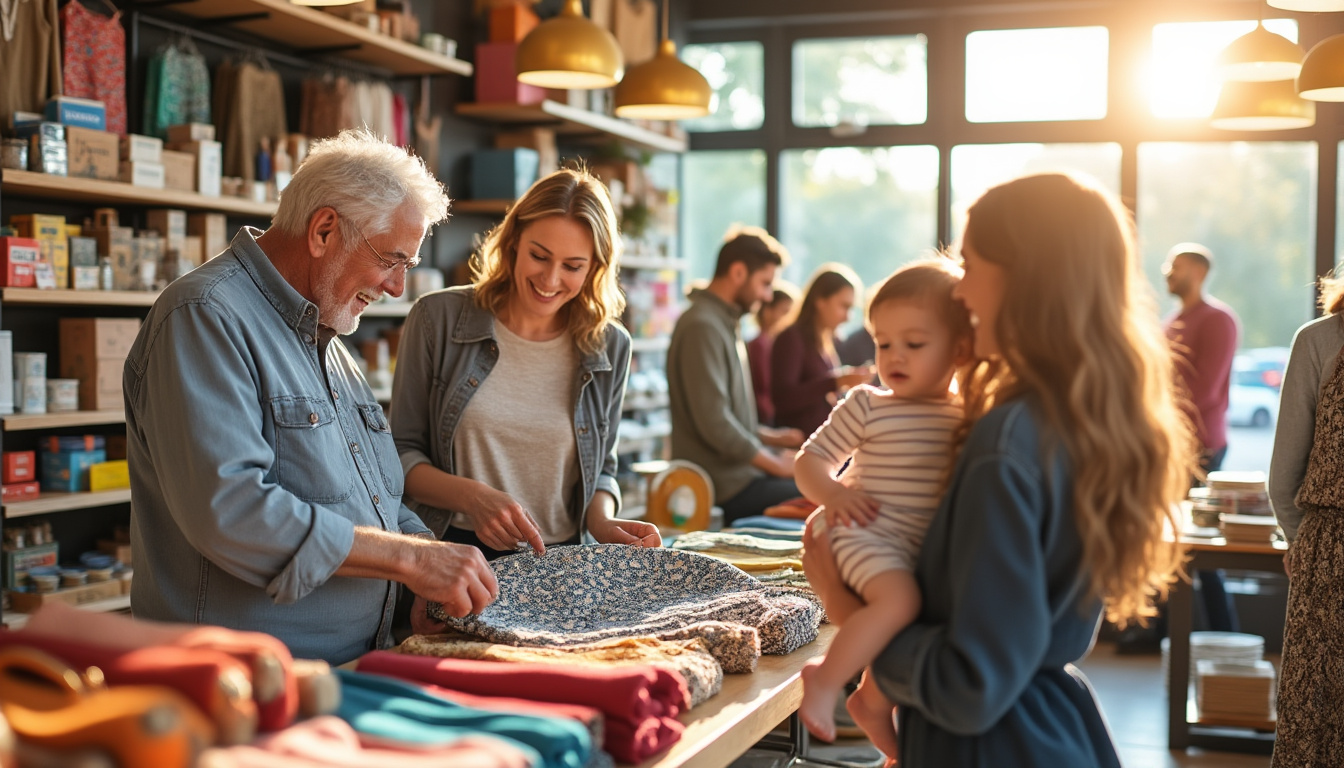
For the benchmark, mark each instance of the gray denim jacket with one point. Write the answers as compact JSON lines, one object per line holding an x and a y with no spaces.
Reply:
{"x":252,"y":460}
{"x":448,"y":348}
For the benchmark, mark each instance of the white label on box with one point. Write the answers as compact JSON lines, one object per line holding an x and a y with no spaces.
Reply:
{"x":32,"y":395}
{"x":145,"y":149}
{"x":30,"y":365}
{"x":84,"y":278}
{"x":143,"y":174}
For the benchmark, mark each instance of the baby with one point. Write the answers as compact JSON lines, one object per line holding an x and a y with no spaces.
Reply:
{"x":898,"y":444}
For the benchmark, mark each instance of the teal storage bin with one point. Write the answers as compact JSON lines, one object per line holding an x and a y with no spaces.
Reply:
{"x":68,"y":471}
{"x":503,"y":174}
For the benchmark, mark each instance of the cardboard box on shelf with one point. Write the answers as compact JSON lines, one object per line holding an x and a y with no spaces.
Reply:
{"x":145,"y":149}
{"x":209,"y":163}
{"x":18,"y":258}
{"x":26,"y":558}
{"x":179,"y":170}
{"x":170,"y":223}
{"x":27,"y":602}
{"x":19,"y":467}
{"x":47,"y":155}
{"x":97,"y":338}
{"x":84,"y":113}
{"x":118,"y":549}
{"x":191,"y":251}
{"x":510,"y":23}
{"x":68,"y":471}
{"x":109,"y":475}
{"x":212,"y":228}
{"x":93,"y":154}
{"x":540,"y":139}
{"x":27,"y":491}
{"x":497,"y":76}
{"x":38,"y":225}
{"x":191,"y":132}
{"x":142,"y":174}
{"x":502,"y":174}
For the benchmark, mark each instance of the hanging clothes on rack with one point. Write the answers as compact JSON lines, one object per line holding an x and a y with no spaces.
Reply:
{"x":94,"y":60}
{"x":30,"y":56}
{"x":252,"y":106}
{"x":177,"y":88}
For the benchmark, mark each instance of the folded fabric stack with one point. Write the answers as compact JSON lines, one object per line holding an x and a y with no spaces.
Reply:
{"x":1235,"y":691}
{"x":793,"y":509}
{"x":689,"y":658}
{"x":1248,"y":529}
{"x":640,"y":703}
{"x":579,"y":595}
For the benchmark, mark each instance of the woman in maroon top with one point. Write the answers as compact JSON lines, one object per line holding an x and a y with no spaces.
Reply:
{"x":805,"y":372}
{"x":770,"y":319}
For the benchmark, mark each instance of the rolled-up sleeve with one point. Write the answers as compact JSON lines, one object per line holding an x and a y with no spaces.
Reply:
{"x":620,"y":373}
{"x":411,"y":388}
{"x":1295,"y":431}
{"x":203,"y":428}
{"x":965,"y":673}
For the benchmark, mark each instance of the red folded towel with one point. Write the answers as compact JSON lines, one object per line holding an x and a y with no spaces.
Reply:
{"x":640,"y":701}
{"x":588,"y":717}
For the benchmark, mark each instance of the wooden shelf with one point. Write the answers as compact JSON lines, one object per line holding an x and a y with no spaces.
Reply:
{"x":572,"y":121}
{"x":44,"y":185}
{"x":653,"y":262}
{"x":316,"y":33}
{"x":24,"y":421}
{"x":64,"y":297}
{"x":17,"y":620}
{"x":388,"y":309}
{"x":61,"y":502}
{"x":488,"y":207}
{"x":655,"y":344}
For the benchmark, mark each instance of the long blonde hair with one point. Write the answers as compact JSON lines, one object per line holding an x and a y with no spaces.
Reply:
{"x":1332,"y":293}
{"x":573,"y":194}
{"x":1078,"y":334}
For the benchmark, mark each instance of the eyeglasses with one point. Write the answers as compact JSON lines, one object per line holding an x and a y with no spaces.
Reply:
{"x":391,"y":265}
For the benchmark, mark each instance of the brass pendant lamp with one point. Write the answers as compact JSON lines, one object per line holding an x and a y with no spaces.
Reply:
{"x":1260,"y":55}
{"x":1262,"y":106}
{"x":569,"y":51}
{"x":664,"y":87}
{"x":1322,"y":75}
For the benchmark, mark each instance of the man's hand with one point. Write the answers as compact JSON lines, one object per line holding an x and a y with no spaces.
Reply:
{"x":421,"y":622}
{"x":781,"y":437}
{"x":455,"y":575}
{"x":771,"y":463}
{"x":635,"y":533}
{"x":500,"y":521}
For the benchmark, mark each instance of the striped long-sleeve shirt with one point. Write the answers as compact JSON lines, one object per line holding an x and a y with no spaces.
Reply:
{"x":900,"y":447}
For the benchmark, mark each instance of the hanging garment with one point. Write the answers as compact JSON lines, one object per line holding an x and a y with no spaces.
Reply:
{"x":255,"y":108}
{"x":640,"y":702}
{"x":330,"y":742}
{"x":702,"y":674}
{"x":393,"y":710}
{"x":94,"y":60}
{"x":583,"y":594}
{"x":177,"y":88}
{"x":30,"y":56}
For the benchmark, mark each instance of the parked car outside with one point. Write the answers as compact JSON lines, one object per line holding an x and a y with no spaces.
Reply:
{"x":1253,"y":397}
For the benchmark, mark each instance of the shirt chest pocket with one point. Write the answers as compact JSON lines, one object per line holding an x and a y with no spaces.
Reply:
{"x":311,"y":457}
{"x":383,"y":447}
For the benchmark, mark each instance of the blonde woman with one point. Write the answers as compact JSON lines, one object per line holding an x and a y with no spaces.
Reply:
{"x":1071,"y":462}
{"x":1305,"y":490}
{"x":508,"y":392}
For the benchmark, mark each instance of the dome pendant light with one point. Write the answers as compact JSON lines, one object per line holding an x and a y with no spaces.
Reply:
{"x":1262,"y":106}
{"x":1307,"y":5}
{"x":569,"y":51}
{"x":664,"y":87}
{"x":1260,"y":55}
{"x":1322,"y":75}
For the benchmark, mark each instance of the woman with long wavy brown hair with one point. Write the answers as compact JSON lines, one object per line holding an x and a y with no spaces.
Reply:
{"x":1072,"y":460}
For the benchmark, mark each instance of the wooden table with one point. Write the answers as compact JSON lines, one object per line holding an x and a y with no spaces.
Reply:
{"x":749,"y":707}
{"x":1227,"y":736}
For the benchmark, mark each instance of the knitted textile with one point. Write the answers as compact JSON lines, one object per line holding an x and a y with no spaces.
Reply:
{"x":582,"y":594}
{"x":689,"y":658}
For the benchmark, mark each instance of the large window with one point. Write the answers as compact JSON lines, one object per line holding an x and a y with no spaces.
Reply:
{"x":721,"y":189}
{"x":871,"y":208}
{"x":1016,"y":75}
{"x":977,"y":167}
{"x":860,"y":81}
{"x":1181,"y":79}
{"x":736,"y":72}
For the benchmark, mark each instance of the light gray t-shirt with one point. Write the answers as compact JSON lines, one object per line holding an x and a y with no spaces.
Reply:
{"x":517,"y":433}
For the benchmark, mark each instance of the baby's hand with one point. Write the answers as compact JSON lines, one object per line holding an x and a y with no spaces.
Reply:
{"x":848,"y":506}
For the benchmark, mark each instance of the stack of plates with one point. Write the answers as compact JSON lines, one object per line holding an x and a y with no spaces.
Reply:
{"x":1224,"y":647}
{"x":1241,"y":493}
{"x":1248,"y":529}
{"x":1241,"y":691}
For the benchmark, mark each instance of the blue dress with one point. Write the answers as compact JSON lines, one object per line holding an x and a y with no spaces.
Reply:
{"x":984,"y":677}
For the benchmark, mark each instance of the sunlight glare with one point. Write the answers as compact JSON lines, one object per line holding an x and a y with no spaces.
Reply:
{"x":1181,"y":77}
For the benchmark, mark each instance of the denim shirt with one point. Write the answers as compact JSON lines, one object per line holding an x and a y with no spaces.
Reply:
{"x":253,"y":456}
{"x":448,"y":348}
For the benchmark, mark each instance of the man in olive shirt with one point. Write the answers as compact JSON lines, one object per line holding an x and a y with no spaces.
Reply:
{"x":713,"y":406}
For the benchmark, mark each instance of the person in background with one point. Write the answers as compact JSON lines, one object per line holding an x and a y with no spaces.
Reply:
{"x":805,"y":372}
{"x":1073,"y":457}
{"x":858,"y":348}
{"x":897,"y":443}
{"x":1203,"y":335}
{"x":1308,"y":500}
{"x":713,"y":406}
{"x":267,"y":492}
{"x":508,"y":392}
{"x":769,"y":319}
